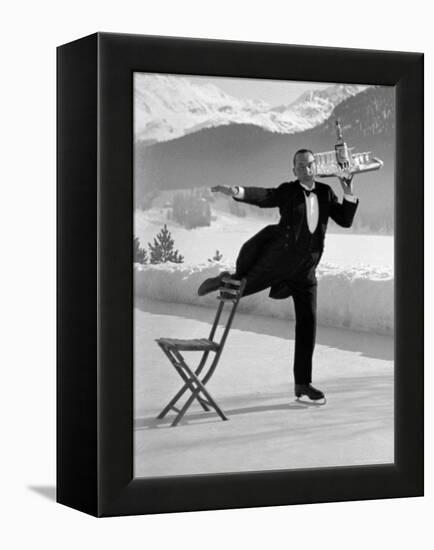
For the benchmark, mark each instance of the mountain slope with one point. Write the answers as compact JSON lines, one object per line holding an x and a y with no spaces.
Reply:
{"x":167,"y":107}
{"x":248,"y":155}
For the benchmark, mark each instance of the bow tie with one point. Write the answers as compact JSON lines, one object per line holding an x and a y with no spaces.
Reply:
{"x":307,"y":193}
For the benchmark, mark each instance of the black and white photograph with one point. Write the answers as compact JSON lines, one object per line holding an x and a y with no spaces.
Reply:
{"x":217,"y":275}
{"x":263,"y":274}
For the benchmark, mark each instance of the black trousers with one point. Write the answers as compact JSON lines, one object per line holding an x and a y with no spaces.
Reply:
{"x":266,"y":261}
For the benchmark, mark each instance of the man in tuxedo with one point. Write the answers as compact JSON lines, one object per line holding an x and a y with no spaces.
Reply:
{"x":285,"y":256}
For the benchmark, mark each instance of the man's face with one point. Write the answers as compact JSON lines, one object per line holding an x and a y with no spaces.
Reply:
{"x":304,"y":168}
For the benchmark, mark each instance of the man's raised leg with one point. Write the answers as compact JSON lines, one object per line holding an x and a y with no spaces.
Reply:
{"x":247,"y":257}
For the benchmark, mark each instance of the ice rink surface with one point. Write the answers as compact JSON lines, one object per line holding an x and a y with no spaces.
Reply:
{"x":267,"y":428}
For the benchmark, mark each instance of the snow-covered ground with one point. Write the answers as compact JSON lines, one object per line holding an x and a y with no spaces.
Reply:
{"x":356,"y":284}
{"x":253,"y":384}
{"x":228,"y":232}
{"x":267,"y":428}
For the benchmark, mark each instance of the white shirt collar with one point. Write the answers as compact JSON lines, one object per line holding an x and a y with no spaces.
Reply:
{"x":307,"y":188}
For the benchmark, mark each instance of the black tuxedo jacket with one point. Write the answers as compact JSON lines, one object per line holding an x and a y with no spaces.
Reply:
{"x":289,"y":198}
{"x":266,"y":247}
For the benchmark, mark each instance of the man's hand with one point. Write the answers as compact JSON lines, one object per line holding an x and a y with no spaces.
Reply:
{"x":347,"y":184}
{"x":223,"y":189}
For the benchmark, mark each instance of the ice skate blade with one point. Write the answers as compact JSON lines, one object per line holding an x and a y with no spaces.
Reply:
{"x":313,"y":402}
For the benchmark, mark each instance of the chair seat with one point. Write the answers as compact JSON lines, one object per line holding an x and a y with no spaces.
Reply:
{"x":198,"y":344}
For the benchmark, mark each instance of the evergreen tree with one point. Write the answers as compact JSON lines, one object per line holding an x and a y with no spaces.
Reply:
{"x":217,"y":257}
{"x":139,"y":254}
{"x":162,"y":250}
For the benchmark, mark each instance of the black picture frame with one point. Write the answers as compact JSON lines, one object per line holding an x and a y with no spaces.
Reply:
{"x":95,"y":274}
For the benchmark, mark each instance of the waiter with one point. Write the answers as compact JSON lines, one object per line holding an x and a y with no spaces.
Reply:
{"x":285,"y":256}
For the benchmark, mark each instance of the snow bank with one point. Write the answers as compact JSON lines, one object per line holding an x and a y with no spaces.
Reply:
{"x":359,"y":298}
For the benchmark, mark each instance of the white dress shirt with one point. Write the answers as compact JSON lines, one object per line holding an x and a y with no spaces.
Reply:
{"x":312,"y":208}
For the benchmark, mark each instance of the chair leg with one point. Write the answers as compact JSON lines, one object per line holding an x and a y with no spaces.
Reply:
{"x":212,"y":402}
{"x":192,"y":383}
{"x":172,"y":402}
{"x":176,"y":398}
{"x":184,"y":388}
{"x":196,"y":395}
{"x":203,"y":403}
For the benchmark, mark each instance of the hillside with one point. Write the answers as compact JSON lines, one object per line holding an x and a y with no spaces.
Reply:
{"x":240,"y":154}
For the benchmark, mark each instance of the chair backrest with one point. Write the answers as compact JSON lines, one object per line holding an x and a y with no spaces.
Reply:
{"x":230,"y":293}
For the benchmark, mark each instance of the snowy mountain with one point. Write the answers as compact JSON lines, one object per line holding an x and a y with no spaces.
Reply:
{"x":318,"y":105}
{"x":168,"y":107}
{"x":369,"y":116}
{"x":246,"y":154}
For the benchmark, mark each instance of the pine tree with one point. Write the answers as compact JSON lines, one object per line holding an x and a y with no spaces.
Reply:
{"x":162,"y":250}
{"x":139,"y":254}
{"x":217,"y":257}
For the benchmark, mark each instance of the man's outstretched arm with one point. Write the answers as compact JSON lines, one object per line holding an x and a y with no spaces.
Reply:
{"x":258,"y":196}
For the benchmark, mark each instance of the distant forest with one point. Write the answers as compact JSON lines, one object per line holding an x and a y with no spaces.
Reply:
{"x":193,"y":208}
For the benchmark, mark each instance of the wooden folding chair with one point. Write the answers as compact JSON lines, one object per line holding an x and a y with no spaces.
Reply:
{"x":194,"y":380}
